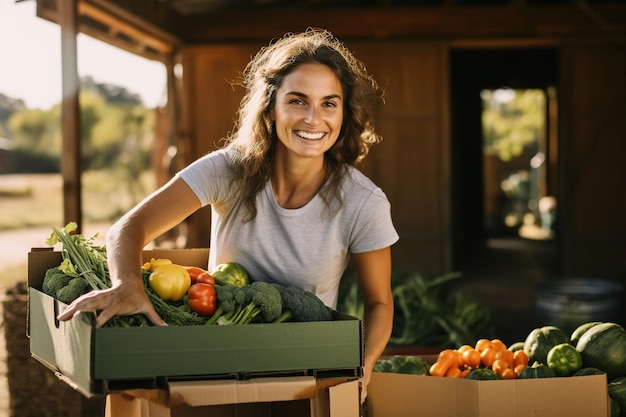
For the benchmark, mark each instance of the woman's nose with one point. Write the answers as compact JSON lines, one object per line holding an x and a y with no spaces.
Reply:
{"x":313,"y":116}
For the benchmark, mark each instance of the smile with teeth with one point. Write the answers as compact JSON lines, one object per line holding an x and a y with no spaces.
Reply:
{"x":311,"y":136}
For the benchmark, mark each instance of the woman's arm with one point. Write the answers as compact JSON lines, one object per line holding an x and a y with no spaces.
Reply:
{"x":125,"y":241}
{"x":374,"y":272}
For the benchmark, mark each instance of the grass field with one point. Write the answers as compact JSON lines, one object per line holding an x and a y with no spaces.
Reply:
{"x":33,"y":201}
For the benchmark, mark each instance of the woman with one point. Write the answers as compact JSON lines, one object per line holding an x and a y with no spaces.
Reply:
{"x":286,"y":200}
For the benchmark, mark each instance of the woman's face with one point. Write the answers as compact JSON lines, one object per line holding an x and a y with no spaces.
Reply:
{"x":309,"y":110}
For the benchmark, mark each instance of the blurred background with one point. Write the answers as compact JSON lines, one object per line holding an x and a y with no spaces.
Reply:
{"x":502,"y":153}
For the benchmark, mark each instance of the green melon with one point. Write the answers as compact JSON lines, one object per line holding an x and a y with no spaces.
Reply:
{"x":537,"y":370}
{"x":580,"y":330}
{"x":617,"y":392}
{"x":588,"y":371}
{"x":604,"y":347}
{"x":540,"y":340}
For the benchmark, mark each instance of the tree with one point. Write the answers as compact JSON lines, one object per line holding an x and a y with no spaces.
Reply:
{"x":36,"y":131}
{"x":513,"y":122}
{"x":116,"y":129}
{"x":8,"y":106}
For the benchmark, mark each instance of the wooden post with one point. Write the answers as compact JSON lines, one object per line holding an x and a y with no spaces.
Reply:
{"x":70,"y":114}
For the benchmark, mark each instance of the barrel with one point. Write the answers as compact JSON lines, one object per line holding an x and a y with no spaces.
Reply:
{"x":570,"y":302}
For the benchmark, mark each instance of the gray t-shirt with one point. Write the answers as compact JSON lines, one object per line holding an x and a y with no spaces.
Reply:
{"x":308,"y":247}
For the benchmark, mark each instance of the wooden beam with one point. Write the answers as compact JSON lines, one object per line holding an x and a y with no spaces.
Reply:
{"x":448,"y":22}
{"x":120,"y":26}
{"x":70,"y":114}
{"x":104,"y":21}
{"x":149,"y":16}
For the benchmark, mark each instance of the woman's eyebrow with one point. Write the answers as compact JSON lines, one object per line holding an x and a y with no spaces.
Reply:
{"x":302,"y":95}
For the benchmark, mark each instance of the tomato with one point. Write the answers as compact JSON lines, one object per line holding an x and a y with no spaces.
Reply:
{"x":200,"y":275}
{"x":202,"y":299}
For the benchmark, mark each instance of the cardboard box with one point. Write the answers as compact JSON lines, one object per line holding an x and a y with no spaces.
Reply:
{"x":397,"y":395}
{"x":97,"y":361}
{"x":262,"y":397}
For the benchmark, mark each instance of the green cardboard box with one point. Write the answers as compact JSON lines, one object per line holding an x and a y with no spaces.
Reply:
{"x":98,"y":361}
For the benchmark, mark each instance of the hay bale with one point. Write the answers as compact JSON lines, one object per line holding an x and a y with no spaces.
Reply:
{"x":34,"y":390}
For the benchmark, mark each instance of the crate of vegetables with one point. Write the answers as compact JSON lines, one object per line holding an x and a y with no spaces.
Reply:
{"x":238,"y":340}
{"x":550,"y":373}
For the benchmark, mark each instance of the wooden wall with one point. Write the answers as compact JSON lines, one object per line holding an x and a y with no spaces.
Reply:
{"x":413,"y":163}
{"x":210,"y":101}
{"x":593,"y":158}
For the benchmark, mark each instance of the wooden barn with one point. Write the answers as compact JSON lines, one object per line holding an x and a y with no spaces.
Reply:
{"x":435,"y":59}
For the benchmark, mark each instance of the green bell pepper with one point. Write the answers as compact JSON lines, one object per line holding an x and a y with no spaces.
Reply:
{"x":230,"y":273}
{"x":564,"y":359}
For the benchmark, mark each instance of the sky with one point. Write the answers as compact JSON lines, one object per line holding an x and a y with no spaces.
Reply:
{"x":30,"y":61}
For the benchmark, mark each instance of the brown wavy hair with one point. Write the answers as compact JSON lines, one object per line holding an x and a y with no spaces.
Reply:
{"x":254,"y":137}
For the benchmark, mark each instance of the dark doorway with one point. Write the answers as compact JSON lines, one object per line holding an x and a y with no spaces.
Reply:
{"x":500,"y":263}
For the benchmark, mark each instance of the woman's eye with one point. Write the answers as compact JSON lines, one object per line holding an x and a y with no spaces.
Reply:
{"x":296,"y":101}
{"x":330,"y":104}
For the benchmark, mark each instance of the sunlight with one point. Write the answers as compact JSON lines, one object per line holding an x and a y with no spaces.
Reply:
{"x":33,"y":72}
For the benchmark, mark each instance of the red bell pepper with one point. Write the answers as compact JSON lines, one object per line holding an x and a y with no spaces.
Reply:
{"x":202,"y":299}
{"x":199,"y":275}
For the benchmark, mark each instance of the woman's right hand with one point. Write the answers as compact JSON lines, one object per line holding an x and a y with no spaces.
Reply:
{"x":125,"y":239}
{"x":126,"y":298}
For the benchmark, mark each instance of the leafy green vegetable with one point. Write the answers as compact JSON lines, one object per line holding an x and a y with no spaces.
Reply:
{"x":427,"y":312}
{"x":301,"y":305}
{"x":263,"y":302}
{"x":83,"y":259}
{"x":402,"y":364}
{"x":258,"y":301}
{"x":54,"y":280}
{"x":230,"y":302}
{"x":483,"y":374}
{"x":74,"y":289}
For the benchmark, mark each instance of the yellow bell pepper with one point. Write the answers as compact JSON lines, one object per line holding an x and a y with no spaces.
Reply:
{"x":170,"y":281}
{"x":155,"y":263}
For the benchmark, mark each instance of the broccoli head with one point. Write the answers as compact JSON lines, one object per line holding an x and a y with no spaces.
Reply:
{"x":54,"y":280}
{"x":264,"y":303}
{"x":301,"y":305}
{"x":74,"y":289}
{"x":230,"y":301}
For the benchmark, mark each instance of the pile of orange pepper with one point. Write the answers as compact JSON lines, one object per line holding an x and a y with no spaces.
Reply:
{"x":494,"y":354}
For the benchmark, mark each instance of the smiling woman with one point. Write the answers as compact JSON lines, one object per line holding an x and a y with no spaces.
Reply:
{"x":32,"y":71}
